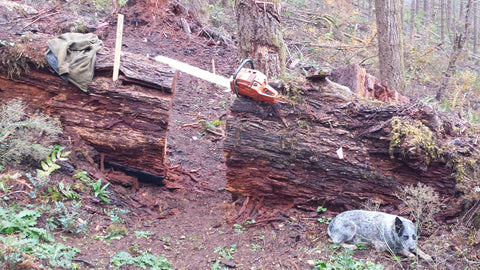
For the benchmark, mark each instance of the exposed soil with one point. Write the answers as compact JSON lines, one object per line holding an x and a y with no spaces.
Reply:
{"x":188,"y":218}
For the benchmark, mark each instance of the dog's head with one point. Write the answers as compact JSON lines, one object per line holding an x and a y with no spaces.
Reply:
{"x":405,"y":234}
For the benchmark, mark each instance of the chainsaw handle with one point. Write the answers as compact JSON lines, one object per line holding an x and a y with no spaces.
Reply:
{"x":235,"y":89}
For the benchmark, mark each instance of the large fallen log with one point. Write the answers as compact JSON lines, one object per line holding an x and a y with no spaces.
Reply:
{"x":333,"y":149}
{"x":126,"y":121}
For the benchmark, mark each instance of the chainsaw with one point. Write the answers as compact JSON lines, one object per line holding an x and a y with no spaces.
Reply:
{"x":244,"y":82}
{"x":252,"y":83}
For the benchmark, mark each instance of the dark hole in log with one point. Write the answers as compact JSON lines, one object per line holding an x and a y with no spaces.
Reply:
{"x":142,"y":176}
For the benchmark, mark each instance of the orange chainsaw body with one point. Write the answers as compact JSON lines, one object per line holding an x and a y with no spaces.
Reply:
{"x":252,"y":83}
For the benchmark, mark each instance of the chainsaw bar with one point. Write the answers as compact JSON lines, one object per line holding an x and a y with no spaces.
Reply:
{"x":245,"y":82}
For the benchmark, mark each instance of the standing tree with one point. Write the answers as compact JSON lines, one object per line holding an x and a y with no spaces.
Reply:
{"x":448,"y":16}
{"x":427,"y":10}
{"x":390,"y":51}
{"x":458,"y":44}
{"x":442,"y":21}
{"x":475,"y":27}
{"x":259,"y":35}
{"x":412,"y":19}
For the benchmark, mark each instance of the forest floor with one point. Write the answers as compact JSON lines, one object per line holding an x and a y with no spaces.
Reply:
{"x":188,"y":223}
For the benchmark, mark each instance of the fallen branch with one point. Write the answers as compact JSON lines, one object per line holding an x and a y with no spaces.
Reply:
{"x":209,"y":33}
{"x":39,"y":18}
{"x":7,"y":134}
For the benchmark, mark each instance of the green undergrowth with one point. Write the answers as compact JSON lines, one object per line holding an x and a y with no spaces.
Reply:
{"x":343,"y":259}
{"x":26,"y":244}
{"x":25,"y":137}
{"x":140,"y":259}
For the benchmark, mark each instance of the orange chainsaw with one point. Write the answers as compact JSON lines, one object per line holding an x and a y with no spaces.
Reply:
{"x":252,"y":83}
{"x":244,"y":82}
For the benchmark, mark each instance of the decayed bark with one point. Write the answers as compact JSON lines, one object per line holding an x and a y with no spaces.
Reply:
{"x":365,"y":85}
{"x":289,"y":154}
{"x":126,"y":121}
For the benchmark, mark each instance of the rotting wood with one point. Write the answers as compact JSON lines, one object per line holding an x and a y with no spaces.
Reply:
{"x":126,"y":120}
{"x":297,"y":163}
{"x":365,"y":85}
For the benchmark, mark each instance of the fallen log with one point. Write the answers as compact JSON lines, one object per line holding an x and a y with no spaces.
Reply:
{"x":126,"y":120}
{"x":289,"y":153}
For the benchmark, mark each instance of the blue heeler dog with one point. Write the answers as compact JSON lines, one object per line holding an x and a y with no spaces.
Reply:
{"x":384,"y":231}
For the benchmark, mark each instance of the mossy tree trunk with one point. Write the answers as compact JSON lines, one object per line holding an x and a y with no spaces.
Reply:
{"x":259,"y":36}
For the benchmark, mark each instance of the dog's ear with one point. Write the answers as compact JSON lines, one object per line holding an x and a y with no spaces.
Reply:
{"x":398,"y":225}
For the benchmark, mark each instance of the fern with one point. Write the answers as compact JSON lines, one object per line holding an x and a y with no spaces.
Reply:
{"x":49,"y":165}
{"x":58,"y":255}
{"x":22,"y":223}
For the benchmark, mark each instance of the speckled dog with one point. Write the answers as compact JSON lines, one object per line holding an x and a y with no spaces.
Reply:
{"x":384,"y":231}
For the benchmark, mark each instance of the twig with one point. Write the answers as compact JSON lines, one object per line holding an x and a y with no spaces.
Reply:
{"x":6,"y":135}
{"x":41,"y":17}
{"x":22,"y":19}
{"x":221,"y":134}
{"x":176,"y":168}
{"x":84,"y":261}
{"x":353,"y":37}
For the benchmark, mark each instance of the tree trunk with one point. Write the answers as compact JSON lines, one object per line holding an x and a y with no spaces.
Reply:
{"x":412,"y":19}
{"x":442,"y":21}
{"x":475,"y":27}
{"x":335,"y":150}
{"x":460,"y":11}
{"x":260,"y":37}
{"x":390,"y":49}
{"x":402,"y":15}
{"x":449,"y":17}
{"x":427,"y":11}
{"x":126,"y":122}
{"x":457,"y":50}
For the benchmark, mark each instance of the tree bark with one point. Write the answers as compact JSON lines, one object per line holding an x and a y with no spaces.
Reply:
{"x":475,"y":27}
{"x":260,"y":37}
{"x":457,"y":50}
{"x":442,"y":21}
{"x":125,"y":121}
{"x":390,"y":49}
{"x":288,"y":154}
{"x":427,"y":11}
{"x":412,"y":19}
{"x":449,"y":17}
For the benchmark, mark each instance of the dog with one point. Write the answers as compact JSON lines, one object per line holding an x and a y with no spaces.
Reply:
{"x":384,"y":231}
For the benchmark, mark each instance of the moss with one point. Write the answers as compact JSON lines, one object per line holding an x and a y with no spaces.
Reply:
{"x":116,"y":229}
{"x":293,"y":93}
{"x":20,"y":56}
{"x":413,"y":139}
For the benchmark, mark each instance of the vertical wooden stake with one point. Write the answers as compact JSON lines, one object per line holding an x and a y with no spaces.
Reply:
{"x":213,"y":66}
{"x":118,"y":47}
